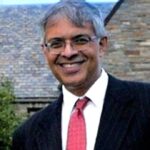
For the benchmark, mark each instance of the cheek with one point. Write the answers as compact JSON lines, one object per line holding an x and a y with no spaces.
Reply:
{"x":50,"y":59}
{"x":96,"y":60}
{"x":95,"y":53}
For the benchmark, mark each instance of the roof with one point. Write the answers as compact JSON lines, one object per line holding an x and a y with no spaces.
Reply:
{"x":113,"y":11}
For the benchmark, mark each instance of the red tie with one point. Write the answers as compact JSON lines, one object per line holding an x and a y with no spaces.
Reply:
{"x":77,"y":129}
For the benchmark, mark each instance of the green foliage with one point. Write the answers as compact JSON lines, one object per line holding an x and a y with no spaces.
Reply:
{"x":8,"y":118}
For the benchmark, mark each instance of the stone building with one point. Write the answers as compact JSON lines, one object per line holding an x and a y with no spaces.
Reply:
{"x":21,"y":59}
{"x":129,"y":52}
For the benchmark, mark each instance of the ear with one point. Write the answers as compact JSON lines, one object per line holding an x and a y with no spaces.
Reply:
{"x":103,"y":45}
{"x":44,"y":50}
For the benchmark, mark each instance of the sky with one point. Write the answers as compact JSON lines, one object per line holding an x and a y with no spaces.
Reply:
{"x":8,"y":2}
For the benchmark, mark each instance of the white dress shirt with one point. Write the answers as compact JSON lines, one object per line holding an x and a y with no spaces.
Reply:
{"x":92,"y":111}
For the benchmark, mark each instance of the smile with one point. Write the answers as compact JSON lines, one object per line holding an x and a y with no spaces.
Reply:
{"x":71,"y":68}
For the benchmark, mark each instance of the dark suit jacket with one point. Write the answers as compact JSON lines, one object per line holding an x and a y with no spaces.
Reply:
{"x":124,"y":125}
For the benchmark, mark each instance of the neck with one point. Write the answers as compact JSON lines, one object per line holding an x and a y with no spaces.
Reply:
{"x":80,"y":90}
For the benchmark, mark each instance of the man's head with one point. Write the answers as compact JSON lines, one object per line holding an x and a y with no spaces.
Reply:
{"x":74,"y":42}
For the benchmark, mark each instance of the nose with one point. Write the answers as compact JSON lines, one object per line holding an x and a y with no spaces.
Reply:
{"x":68,"y":51}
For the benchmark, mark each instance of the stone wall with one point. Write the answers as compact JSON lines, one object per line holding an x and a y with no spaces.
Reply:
{"x":129,"y":54}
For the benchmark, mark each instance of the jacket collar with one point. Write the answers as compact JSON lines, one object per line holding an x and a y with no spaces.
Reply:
{"x":116,"y":115}
{"x":50,"y":127}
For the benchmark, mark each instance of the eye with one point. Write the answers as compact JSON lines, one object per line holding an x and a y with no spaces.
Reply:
{"x":55,"y":43}
{"x":81,"y":40}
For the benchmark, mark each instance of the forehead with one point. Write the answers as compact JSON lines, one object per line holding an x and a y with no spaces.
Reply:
{"x":63,"y":27}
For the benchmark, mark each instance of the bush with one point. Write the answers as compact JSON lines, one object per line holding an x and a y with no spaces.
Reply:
{"x":8,"y":119}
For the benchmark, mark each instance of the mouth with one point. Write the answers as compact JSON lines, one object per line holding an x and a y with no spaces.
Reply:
{"x":71,"y":67}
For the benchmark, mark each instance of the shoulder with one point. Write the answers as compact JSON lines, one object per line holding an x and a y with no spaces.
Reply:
{"x":45,"y":113}
{"x":131,"y":92}
{"x":133,"y":87}
{"x":42,"y":114}
{"x":32,"y":125}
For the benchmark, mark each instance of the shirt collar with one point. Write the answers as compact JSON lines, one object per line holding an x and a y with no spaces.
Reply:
{"x":98,"y":90}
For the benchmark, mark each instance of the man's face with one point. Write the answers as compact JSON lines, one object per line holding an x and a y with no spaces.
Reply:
{"x":76,"y":69}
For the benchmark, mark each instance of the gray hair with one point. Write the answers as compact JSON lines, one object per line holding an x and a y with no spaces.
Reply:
{"x":79,"y":13}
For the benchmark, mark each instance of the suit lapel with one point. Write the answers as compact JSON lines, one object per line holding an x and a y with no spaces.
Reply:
{"x":50,"y":128}
{"x":116,"y":116}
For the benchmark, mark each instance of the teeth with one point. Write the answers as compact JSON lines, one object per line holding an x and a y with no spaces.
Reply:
{"x":69,"y":65}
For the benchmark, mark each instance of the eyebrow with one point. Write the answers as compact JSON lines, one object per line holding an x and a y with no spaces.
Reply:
{"x":79,"y":35}
{"x":54,"y":39}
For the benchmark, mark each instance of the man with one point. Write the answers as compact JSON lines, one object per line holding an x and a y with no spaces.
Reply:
{"x":116,"y":115}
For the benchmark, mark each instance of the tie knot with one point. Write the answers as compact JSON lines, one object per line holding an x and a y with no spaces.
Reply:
{"x":81,"y":103}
